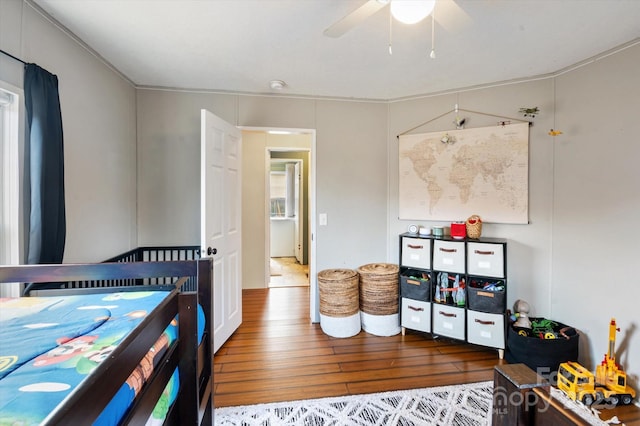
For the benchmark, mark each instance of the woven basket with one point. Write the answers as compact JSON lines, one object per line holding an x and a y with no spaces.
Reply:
{"x":379,"y":288}
{"x":339,"y":292}
{"x":474,"y":226}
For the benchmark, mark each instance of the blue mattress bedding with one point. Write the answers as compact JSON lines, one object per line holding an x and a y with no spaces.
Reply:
{"x":48,"y":345}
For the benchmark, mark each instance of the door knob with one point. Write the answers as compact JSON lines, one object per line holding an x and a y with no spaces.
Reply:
{"x":211,"y":251}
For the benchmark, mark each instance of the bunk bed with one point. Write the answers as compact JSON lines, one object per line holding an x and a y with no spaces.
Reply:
{"x":182,"y":293}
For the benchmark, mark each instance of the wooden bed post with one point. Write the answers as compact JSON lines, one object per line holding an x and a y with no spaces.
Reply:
{"x":205,"y":299}
{"x":188,"y":402}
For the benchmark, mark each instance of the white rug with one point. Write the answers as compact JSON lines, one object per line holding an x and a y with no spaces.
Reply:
{"x":462,"y":405}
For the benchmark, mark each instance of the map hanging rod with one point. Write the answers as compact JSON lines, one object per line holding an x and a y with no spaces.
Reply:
{"x":456,"y":109}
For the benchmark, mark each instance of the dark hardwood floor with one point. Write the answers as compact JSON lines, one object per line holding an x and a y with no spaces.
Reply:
{"x":278,"y":355}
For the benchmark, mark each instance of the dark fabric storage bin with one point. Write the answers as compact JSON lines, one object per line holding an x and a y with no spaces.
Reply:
{"x":542,"y":355}
{"x":415,"y":285}
{"x":492,"y":302}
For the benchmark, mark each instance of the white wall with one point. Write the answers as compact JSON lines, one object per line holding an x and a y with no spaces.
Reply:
{"x":98,"y":115}
{"x":282,"y":238}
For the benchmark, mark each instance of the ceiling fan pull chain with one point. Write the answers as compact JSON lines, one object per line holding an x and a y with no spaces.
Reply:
{"x":390,"y":31}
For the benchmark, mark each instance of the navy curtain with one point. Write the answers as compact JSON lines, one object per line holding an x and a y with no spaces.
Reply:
{"x":45,"y":162}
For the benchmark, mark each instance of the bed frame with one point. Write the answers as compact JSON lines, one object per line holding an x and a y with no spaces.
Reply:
{"x":194,"y":405}
{"x":139,"y":254}
{"x":550,"y":411}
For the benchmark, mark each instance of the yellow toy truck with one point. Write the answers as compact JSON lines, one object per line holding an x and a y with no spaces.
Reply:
{"x":608,"y":385}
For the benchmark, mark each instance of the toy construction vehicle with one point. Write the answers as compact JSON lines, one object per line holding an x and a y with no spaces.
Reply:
{"x":609,"y":385}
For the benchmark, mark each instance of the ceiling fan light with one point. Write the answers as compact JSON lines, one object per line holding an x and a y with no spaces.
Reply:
{"x":411,"y":11}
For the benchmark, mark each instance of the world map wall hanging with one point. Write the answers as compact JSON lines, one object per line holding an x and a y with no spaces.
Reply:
{"x":448,"y":176}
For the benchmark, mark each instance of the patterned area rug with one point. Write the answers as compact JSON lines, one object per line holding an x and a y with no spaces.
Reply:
{"x":463,"y":405}
{"x":460,"y":405}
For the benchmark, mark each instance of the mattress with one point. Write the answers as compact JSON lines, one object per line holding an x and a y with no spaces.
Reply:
{"x":48,"y":345}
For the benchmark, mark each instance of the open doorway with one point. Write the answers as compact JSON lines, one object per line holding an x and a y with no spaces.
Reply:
{"x":288,"y":218}
{"x":259,"y":145}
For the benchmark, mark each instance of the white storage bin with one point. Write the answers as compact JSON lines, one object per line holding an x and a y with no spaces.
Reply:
{"x":416,"y":252}
{"x":485,"y":329}
{"x":448,"y":321}
{"x":449,"y":256}
{"x":416,"y":315}
{"x":486,"y":259}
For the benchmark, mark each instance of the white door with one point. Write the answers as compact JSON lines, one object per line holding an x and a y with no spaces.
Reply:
{"x":220,"y":220}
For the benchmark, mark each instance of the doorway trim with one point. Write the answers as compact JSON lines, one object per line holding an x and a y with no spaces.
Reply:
{"x":313,"y":284}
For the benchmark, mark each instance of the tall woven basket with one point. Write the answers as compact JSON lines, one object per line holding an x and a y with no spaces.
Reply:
{"x":379,"y":288}
{"x":474,"y":226}
{"x":379,"y":298}
{"x":339,"y":302}
{"x":339,"y":293}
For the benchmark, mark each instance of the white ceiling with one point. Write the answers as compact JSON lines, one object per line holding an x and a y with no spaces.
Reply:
{"x":240,"y":45}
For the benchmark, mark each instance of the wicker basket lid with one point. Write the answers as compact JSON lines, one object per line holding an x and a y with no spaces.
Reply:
{"x":379,"y":269}
{"x":336,"y":274}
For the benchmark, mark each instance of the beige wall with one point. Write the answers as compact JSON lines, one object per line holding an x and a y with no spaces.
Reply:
{"x":169,"y":163}
{"x":528,"y":265}
{"x":350,"y":166}
{"x":99,"y":119}
{"x":574,"y":262}
{"x":596,"y":205}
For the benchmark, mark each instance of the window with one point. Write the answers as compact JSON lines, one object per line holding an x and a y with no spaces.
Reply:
{"x":278,"y":193}
{"x":284,"y":188}
{"x":10,"y":156}
{"x":566,"y":374}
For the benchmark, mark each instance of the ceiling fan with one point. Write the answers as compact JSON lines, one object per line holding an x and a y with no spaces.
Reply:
{"x":406,"y":11}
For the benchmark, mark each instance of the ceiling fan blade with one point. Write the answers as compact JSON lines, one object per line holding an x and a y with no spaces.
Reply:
{"x":355,"y":18}
{"x":452,"y":17}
